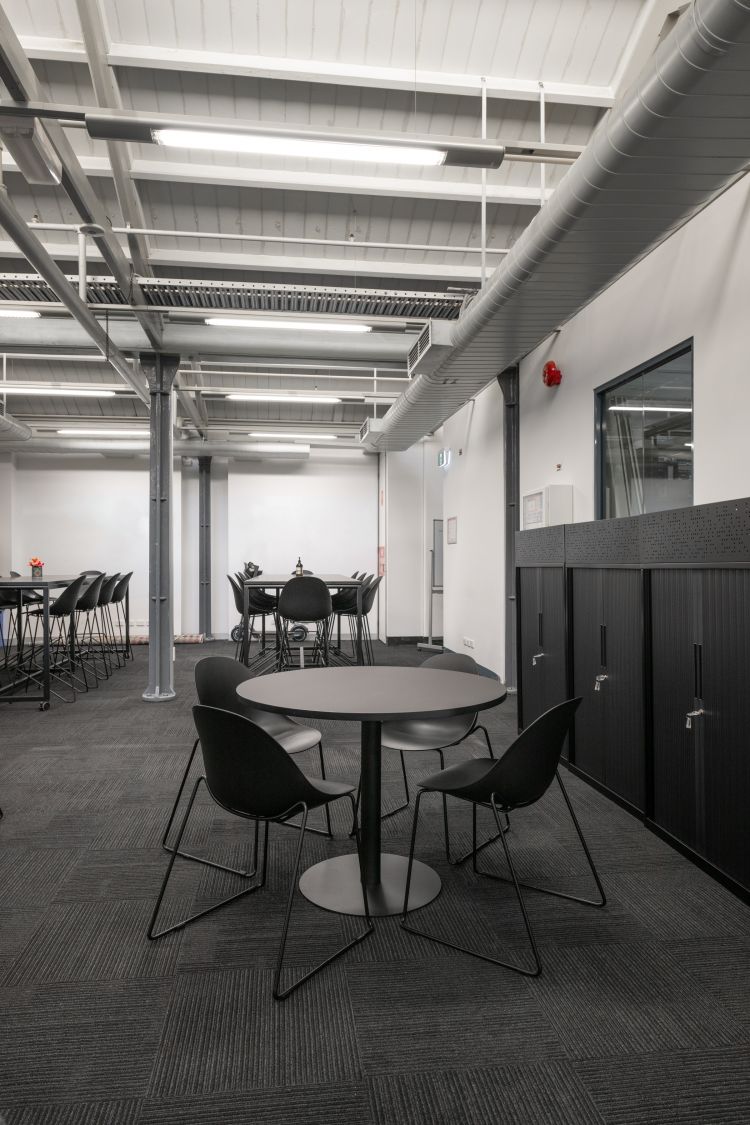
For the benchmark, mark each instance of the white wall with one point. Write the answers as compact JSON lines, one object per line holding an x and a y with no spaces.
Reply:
{"x":694,"y":285}
{"x":84,"y":514}
{"x":7,"y":477}
{"x":473,"y":492}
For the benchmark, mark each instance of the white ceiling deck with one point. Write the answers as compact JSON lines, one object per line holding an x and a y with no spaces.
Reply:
{"x":402,"y":66}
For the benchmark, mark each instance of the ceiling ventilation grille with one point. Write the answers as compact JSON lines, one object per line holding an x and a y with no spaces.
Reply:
{"x":429,"y":350}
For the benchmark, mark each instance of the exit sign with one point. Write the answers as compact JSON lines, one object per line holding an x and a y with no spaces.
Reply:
{"x":444,"y":458}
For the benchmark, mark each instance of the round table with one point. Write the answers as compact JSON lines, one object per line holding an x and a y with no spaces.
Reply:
{"x":371,"y":696}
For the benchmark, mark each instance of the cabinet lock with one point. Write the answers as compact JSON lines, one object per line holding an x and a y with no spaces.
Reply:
{"x":600,"y":680}
{"x":692,"y":715}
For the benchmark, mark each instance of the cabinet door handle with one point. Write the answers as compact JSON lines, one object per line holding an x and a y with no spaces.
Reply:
{"x":692,"y":715}
{"x":600,"y":680}
{"x":535,"y":657}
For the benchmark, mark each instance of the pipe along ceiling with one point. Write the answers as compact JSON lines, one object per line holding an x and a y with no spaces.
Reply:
{"x":674,"y":141}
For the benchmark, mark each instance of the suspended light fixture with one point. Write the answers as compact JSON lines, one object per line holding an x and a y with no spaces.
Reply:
{"x":19,"y":314}
{"x":54,"y":392}
{"x":652,"y":409}
{"x":105,"y":431}
{"x":292,"y":325}
{"x":296,"y":437}
{"x":285,"y":141}
{"x":270,"y":396}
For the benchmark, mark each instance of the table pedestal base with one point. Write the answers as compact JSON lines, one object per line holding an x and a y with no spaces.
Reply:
{"x":335,"y":885}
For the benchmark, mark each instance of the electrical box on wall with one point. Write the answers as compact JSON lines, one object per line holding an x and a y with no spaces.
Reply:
{"x":547,"y":506}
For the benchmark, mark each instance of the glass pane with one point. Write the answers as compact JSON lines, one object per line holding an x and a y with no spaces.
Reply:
{"x":647,"y":440}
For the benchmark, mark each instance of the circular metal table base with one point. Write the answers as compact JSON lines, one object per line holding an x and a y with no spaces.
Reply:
{"x":334,"y":884}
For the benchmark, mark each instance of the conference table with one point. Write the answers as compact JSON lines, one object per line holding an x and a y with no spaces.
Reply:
{"x":371,"y":696}
{"x":276,"y":582}
{"x":15,"y":692}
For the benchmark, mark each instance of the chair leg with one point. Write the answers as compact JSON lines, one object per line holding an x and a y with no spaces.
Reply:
{"x":278,"y":993}
{"x":152,"y":933}
{"x":601,"y":901}
{"x":461,"y":948}
{"x":197,"y":858}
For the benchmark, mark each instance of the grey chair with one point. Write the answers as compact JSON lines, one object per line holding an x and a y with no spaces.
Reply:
{"x":435,"y":736}
{"x":250,"y":775}
{"x":216,"y":680}
{"x":519,"y":779}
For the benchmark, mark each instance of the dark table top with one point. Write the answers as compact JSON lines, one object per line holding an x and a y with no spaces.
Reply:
{"x":26,"y":582}
{"x":282,"y":579}
{"x":373,"y":694}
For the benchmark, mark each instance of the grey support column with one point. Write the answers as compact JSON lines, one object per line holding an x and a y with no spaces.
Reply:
{"x":204,"y":546}
{"x":160,"y":371}
{"x":509,"y":386}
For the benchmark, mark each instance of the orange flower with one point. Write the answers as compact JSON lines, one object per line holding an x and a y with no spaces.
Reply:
{"x":35,"y":561}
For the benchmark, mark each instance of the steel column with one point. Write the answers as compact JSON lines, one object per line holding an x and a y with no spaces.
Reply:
{"x":160,"y":371}
{"x":509,"y":386}
{"x":204,"y":546}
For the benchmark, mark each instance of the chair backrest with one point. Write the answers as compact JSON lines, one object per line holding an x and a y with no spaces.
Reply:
{"x":216,"y":681}
{"x":305,"y":599}
{"x":67,"y":601}
{"x":91,"y":572}
{"x":237,"y":591}
{"x":89,"y":597}
{"x":247,"y":771}
{"x":368,"y":596}
{"x":122,"y":587}
{"x":108,"y":589}
{"x":452,"y":662}
{"x":527,"y":768}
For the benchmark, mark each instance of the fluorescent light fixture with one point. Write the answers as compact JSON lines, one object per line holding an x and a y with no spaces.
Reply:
{"x":294,"y":325}
{"x":297,"y":437}
{"x":53,"y":392}
{"x":105,"y":432}
{"x":263,"y":396}
{"x":278,"y":447}
{"x":307,"y":147}
{"x":653,"y":409}
{"x":19,"y":314}
{"x":690,"y":444}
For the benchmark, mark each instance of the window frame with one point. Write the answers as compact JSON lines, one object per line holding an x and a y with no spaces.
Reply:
{"x":674,"y":352}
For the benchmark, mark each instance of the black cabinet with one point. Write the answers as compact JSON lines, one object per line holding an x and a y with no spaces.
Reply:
{"x":701,"y":712}
{"x":608,"y":662}
{"x":541,"y":616}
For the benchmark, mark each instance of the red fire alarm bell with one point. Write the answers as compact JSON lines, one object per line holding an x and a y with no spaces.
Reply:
{"x":551,"y":374}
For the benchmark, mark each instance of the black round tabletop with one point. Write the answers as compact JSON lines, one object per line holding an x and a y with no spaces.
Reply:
{"x":367,"y":694}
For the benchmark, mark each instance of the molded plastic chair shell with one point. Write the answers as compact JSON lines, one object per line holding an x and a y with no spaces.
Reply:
{"x":305,"y":599}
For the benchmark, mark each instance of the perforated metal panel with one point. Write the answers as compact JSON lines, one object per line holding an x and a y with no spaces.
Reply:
{"x":708,"y":534}
{"x":603,"y":543}
{"x":543,"y":547}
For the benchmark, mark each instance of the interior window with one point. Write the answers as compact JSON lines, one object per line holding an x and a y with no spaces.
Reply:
{"x":646,"y":438}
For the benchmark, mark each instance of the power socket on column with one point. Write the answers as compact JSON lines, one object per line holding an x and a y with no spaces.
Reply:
{"x":468,"y":642}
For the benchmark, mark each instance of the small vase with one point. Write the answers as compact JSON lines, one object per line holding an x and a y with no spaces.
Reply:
{"x":37,"y":572}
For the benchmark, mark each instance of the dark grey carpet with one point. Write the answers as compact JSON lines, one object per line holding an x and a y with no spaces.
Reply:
{"x":641,"y":1015}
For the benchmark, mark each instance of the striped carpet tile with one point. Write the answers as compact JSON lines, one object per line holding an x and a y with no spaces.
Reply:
{"x":334,"y":1104}
{"x":545,"y":1093}
{"x":31,"y":877}
{"x":120,"y":1112}
{"x":685,"y":1088}
{"x":131,"y":873}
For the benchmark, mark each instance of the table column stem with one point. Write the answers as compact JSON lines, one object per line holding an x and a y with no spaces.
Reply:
{"x":370,"y":802}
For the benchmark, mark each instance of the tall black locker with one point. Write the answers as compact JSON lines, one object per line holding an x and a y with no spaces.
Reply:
{"x":608,"y":655}
{"x":542,"y":639}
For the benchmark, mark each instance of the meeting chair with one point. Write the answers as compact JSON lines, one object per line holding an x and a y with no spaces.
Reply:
{"x":260,"y":604}
{"x":216,"y":681}
{"x":62,"y":645}
{"x":304,"y":600}
{"x":85,"y":620}
{"x":435,"y":736}
{"x":249,"y":774}
{"x":123,"y":648}
{"x":517,"y":780}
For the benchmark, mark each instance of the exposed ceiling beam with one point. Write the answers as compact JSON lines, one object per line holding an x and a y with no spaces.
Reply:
{"x":319,"y":71}
{"x":31,"y":248}
{"x":278,"y":263}
{"x":324,"y":182}
{"x":19,"y":78}
{"x":107,"y":95}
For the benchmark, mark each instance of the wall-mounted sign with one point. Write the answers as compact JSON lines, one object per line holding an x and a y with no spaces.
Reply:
{"x":444,"y":458}
{"x":452,"y":529}
{"x":381,"y":560}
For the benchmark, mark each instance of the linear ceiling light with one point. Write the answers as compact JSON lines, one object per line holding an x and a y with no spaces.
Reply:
{"x":278,"y":447}
{"x":263,"y":396}
{"x":294,"y":325}
{"x":19,"y":314}
{"x":653,"y":409}
{"x":284,"y":141}
{"x":105,"y":432}
{"x":54,"y":392}
{"x":296,"y":437}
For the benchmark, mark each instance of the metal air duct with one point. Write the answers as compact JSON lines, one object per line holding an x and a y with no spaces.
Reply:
{"x":673,"y":142}
{"x":11,"y":429}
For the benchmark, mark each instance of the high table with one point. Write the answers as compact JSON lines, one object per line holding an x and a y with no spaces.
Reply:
{"x":371,"y":696}
{"x":278,"y":581}
{"x":12,"y":692}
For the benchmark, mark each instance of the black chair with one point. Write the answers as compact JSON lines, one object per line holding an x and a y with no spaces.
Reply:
{"x":119,"y":601}
{"x":519,"y":779}
{"x":435,"y":735}
{"x":306,"y":600}
{"x":260,"y":604}
{"x":86,"y":608}
{"x":249,"y":774}
{"x":63,"y":649}
{"x":216,"y":681}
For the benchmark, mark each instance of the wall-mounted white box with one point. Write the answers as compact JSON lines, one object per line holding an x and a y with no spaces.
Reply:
{"x":547,"y":506}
